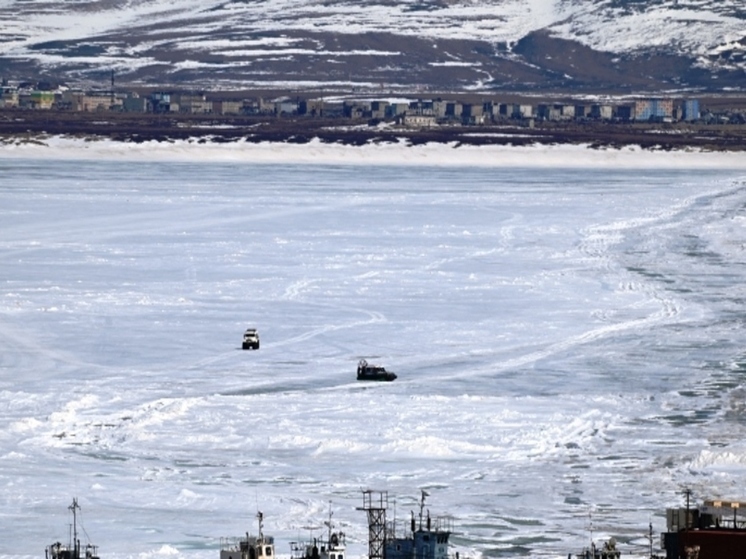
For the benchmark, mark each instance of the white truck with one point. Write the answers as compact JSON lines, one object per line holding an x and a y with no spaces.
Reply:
{"x":250,"y":339}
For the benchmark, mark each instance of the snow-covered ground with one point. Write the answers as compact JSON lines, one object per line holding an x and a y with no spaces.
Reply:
{"x":568,"y":340}
{"x":390,"y":153}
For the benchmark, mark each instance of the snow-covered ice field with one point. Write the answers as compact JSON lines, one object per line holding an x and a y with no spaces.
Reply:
{"x":569,"y":343}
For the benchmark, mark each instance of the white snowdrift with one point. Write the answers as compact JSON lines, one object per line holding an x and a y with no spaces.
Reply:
{"x":316,"y":152}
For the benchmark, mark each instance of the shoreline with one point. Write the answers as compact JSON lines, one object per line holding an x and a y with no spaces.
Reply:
{"x":374,"y":153}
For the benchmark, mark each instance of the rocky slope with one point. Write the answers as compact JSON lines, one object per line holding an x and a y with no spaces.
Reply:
{"x":545,"y":45}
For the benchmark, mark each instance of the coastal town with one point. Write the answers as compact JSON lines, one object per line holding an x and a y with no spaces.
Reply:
{"x":406,"y":109}
{"x":663,"y":122}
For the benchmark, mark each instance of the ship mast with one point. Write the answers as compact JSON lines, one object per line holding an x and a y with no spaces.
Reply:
{"x":329,"y":526}
{"x":76,"y":544}
{"x":688,"y":493}
{"x":650,"y":539}
{"x":375,"y":504}
{"x":422,"y":504}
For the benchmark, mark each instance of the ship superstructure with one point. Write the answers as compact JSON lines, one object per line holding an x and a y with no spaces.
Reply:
{"x":249,"y":547}
{"x":318,"y":548}
{"x":423,"y":538}
{"x":73,"y":549}
{"x":714,"y":530}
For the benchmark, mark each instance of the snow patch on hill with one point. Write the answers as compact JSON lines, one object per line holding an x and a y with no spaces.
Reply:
{"x":697,"y":28}
{"x":712,"y":31}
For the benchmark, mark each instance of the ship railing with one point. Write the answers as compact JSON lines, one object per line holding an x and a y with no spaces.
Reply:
{"x":301,"y":550}
{"x":438,"y":524}
{"x":229,"y":543}
{"x":442,"y":524}
{"x":243,"y":543}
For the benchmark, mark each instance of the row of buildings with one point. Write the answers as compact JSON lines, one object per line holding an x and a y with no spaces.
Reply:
{"x":415,"y":113}
{"x":432,"y":112}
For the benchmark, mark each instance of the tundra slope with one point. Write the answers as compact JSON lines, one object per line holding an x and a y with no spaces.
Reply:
{"x":585,"y":45}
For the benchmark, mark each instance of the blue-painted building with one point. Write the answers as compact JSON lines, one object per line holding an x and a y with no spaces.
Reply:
{"x":654,"y":109}
{"x":690,"y":109}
